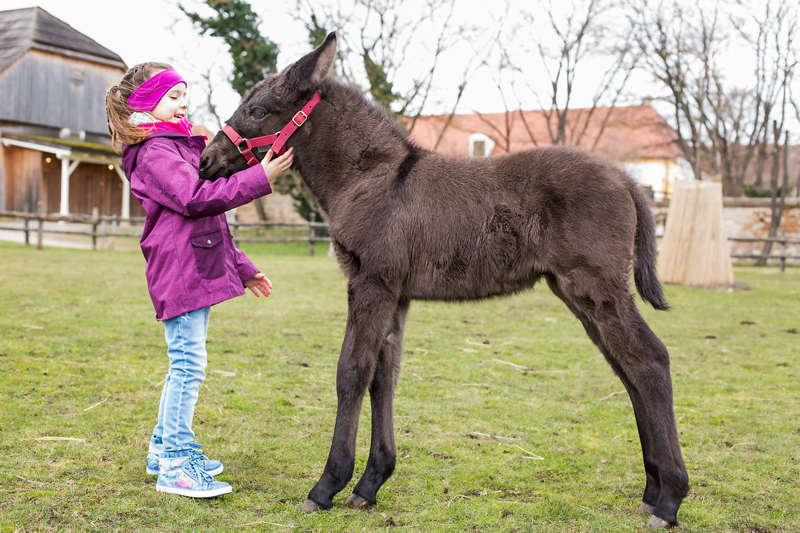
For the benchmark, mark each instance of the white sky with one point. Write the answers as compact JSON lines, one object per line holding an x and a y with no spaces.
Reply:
{"x":155,"y":30}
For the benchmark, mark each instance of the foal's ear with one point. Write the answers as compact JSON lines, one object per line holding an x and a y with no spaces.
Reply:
{"x":310,"y":70}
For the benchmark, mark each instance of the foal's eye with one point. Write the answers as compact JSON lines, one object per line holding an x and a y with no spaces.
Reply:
{"x":257,"y":113}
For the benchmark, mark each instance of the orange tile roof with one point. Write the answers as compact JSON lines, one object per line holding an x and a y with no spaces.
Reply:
{"x":631,"y":132}
{"x":199,"y":129}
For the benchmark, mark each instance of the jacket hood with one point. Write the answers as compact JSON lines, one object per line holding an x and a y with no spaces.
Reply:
{"x":129,"y":153}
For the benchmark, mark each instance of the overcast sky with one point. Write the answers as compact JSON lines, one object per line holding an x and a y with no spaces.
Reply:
{"x":155,"y":30}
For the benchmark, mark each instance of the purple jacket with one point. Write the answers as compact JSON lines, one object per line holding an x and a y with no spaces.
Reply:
{"x":188,"y":248}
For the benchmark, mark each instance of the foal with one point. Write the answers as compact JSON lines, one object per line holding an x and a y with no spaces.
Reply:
{"x":407,"y":223}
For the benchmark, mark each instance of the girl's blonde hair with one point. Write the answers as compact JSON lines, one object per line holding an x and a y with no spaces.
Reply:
{"x":117,"y":110}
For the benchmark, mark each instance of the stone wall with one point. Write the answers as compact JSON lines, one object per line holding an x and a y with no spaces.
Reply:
{"x":750,"y":217}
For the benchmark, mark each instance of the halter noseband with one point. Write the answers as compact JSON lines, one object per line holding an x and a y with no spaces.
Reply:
{"x":277,"y":140}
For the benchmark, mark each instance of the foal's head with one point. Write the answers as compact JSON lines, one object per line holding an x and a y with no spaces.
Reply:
{"x":267,"y":108}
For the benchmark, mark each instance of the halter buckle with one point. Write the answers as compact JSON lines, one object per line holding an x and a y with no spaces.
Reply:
{"x":296,"y":115}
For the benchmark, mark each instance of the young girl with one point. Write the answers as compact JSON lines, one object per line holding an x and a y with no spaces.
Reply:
{"x":192,"y":263}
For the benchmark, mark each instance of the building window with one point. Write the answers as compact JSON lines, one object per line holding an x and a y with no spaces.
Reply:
{"x":480,"y":145}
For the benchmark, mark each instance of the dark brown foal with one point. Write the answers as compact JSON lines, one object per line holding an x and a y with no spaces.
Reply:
{"x":407,"y":223}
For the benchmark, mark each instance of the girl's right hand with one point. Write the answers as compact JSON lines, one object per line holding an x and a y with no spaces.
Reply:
{"x":275,"y":167}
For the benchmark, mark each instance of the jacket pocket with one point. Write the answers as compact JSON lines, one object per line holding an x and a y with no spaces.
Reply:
{"x":209,"y":254}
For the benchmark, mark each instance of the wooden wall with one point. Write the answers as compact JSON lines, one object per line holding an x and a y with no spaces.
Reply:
{"x":22,"y":173}
{"x":95,"y":186}
{"x":52,"y":90}
{"x":31,"y":176}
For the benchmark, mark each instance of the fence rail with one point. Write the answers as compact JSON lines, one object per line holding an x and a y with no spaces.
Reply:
{"x":109,"y":226}
{"x":782,"y":256}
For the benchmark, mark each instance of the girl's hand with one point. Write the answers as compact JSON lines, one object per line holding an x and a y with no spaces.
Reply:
{"x":274,"y":168}
{"x":261,"y":283}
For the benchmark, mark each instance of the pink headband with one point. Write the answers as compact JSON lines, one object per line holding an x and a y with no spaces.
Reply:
{"x":148,"y":94}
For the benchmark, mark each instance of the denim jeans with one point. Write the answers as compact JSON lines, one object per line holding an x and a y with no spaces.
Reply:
{"x":186,"y":346}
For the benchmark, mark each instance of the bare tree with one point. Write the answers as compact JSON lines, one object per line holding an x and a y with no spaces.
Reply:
{"x":584,"y":36}
{"x":720,"y":127}
{"x":679,"y":45}
{"x":375,"y":40}
{"x":786,"y":53}
{"x":773,"y":42}
{"x":587,"y":34}
{"x":498,"y":61}
{"x":208,"y":86}
{"x":736,"y":122}
{"x":469,"y":71}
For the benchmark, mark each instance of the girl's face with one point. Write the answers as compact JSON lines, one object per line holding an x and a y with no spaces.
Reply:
{"x":172,"y":106}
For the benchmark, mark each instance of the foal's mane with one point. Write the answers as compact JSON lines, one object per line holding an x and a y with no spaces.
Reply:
{"x":338,"y":91}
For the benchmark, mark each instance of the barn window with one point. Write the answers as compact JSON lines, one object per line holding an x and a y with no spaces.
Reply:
{"x":480,"y":145}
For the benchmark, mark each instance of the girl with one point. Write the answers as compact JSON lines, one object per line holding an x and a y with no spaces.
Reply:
{"x":192,"y":263}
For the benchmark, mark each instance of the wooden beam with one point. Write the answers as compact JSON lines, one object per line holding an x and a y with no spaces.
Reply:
{"x":126,"y":193}
{"x":38,"y":147}
{"x":67,"y":169}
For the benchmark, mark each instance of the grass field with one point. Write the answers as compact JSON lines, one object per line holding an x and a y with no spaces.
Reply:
{"x":82,"y":358}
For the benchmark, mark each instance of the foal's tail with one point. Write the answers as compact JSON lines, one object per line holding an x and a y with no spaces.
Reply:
{"x":644,"y":249}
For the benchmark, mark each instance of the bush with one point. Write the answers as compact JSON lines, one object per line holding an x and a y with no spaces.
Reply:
{"x":754,"y":191}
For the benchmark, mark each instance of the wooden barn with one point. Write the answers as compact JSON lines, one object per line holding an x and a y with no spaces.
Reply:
{"x":54,"y":142}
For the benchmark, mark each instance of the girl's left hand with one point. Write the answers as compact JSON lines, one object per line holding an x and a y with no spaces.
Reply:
{"x":261,"y":283}
{"x":275,"y":167}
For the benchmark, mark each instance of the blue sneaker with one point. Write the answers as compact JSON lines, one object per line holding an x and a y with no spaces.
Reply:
{"x":210,"y":466}
{"x":185,"y":476}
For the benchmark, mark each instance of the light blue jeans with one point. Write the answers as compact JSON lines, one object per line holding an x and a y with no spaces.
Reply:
{"x":186,"y":346}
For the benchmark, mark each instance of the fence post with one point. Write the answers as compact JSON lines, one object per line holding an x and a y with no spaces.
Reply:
{"x":41,"y":224}
{"x":95,"y":213}
{"x":312,"y":217}
{"x":783,"y":251}
{"x":236,"y":227}
{"x":25,"y":221}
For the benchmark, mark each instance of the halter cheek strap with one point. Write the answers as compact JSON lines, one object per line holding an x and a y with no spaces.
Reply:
{"x":276,"y":140}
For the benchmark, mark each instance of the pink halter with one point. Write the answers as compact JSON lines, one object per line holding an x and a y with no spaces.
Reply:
{"x":277,"y":140}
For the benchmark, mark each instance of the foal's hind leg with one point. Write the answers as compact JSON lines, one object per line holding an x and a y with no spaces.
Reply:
{"x":371,"y":307}
{"x":652,"y":484}
{"x":382,"y":451}
{"x":641,"y":360}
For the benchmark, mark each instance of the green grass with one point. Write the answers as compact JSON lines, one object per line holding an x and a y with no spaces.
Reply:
{"x":77,"y":328}
{"x":282,"y":248}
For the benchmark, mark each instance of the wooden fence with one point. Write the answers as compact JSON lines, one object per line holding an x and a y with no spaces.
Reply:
{"x":114,"y":226}
{"x":782,"y":257}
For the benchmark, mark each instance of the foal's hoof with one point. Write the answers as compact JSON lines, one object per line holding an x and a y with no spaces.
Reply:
{"x":356,"y":502}
{"x":646,"y":508}
{"x":658,"y":523}
{"x":311,"y":507}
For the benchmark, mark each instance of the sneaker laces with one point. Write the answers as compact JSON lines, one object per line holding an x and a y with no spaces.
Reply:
{"x":198,"y":454}
{"x":195,"y":469}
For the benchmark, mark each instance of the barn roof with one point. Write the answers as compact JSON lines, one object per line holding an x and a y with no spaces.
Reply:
{"x":34,"y":28}
{"x":631,"y":132}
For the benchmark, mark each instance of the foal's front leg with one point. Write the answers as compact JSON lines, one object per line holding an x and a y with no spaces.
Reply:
{"x":382,"y":451}
{"x":369,"y":316}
